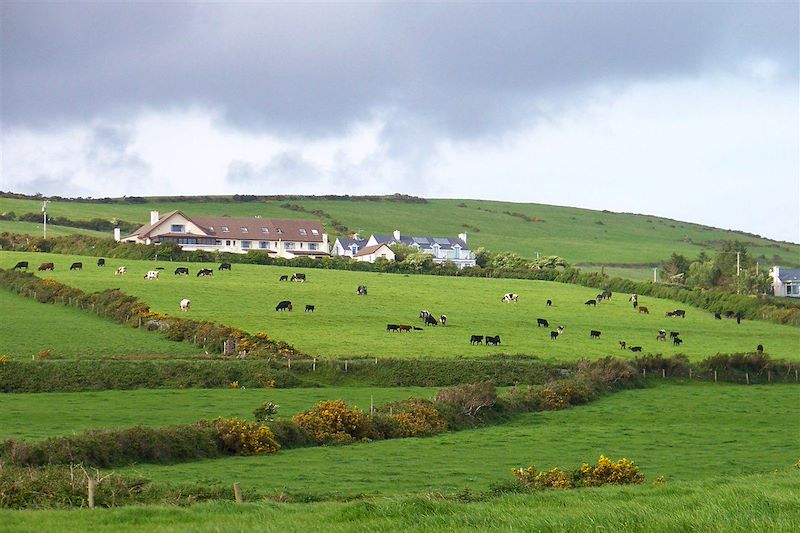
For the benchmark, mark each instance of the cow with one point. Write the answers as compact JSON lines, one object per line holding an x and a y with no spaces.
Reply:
{"x":510,"y":297}
{"x":181,"y":271}
{"x":554,"y":335}
{"x":430,"y":320}
{"x":590,"y":302}
{"x":676,"y":341}
{"x":417,"y":329}
{"x":224,"y":266}
{"x":717,"y":316}
{"x":309,"y":309}
{"x":678,"y":312}
{"x":606,"y":294}
{"x":76,"y":266}
{"x":760,"y":349}
{"x":151,"y":274}
{"x":443,"y":320}
{"x":594,"y":334}
{"x":285,"y":305}
{"x":476,"y":339}
{"x":738,"y":317}
{"x":299,"y":277}
{"x":205,"y":272}
{"x":120,"y":270}
{"x":549,"y":303}
{"x":541,"y":322}
{"x":622,"y":345}
{"x":46,"y":266}
{"x":392,"y":327}
{"x":362,"y":290}
{"x":673,"y":334}
{"x":730,"y":314}
{"x":101,"y":262}
{"x":494,"y":341}
{"x":284,"y":278}
{"x":635,"y":348}
{"x":424,"y":314}
{"x":21,"y":265}
{"x":406,"y":327}
{"x":662,"y":335}
{"x":185,"y":303}
{"x":643,"y":309}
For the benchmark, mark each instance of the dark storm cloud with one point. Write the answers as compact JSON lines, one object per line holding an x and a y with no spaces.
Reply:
{"x":312,"y":69}
{"x":285,"y":168}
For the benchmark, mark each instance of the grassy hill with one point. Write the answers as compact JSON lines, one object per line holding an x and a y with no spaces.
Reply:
{"x":578,"y":235}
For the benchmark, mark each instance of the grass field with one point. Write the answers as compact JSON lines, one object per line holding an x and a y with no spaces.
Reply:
{"x":345,"y":324}
{"x":578,"y":235}
{"x":36,"y":230}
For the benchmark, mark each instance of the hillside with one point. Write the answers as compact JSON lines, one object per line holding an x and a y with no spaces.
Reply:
{"x":578,"y":235}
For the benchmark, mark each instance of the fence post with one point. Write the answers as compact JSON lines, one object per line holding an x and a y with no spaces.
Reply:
{"x":644,"y":372}
{"x":690,"y":372}
{"x":715,"y":375}
{"x":747,"y":377}
{"x":92,"y":487}
{"x":314,"y":365}
{"x":769,"y":376}
{"x":345,"y":365}
{"x":290,"y":363}
{"x":663,"y":373}
{"x":376,"y":360}
{"x":237,"y":492}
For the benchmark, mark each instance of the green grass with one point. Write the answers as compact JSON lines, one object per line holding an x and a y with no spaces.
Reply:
{"x":578,"y":235}
{"x":36,"y":230}
{"x":29,"y":327}
{"x":65,"y":413}
{"x":741,"y":504}
{"x":345,"y":324}
{"x":689,"y":432}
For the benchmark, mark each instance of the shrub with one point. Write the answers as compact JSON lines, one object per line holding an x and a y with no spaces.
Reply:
{"x":469,"y":398}
{"x":413,"y":417}
{"x":605,"y":472}
{"x":333,"y":422}
{"x":266,"y":412}
{"x":239,"y":437}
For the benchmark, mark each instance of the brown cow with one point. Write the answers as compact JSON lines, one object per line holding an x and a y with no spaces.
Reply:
{"x":46,"y":266}
{"x":644,"y":310}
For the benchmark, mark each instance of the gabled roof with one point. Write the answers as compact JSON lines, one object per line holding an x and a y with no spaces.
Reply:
{"x":371,"y":249}
{"x":789,"y":275}
{"x":444,"y":243}
{"x":347,"y":243}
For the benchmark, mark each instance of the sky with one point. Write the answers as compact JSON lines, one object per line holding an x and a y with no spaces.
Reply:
{"x":686,"y":110}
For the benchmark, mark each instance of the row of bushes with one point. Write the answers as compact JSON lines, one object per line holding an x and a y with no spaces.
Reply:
{"x":236,"y":198}
{"x":97,"y":224}
{"x":605,"y":472}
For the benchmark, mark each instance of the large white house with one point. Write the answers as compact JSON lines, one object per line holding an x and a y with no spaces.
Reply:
{"x":277,"y":237}
{"x":785,"y":282}
{"x":443,"y":249}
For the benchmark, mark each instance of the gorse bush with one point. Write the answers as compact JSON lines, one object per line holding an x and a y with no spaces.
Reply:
{"x":239,"y":437}
{"x":605,"y":472}
{"x":334,"y":422}
{"x":413,"y":417}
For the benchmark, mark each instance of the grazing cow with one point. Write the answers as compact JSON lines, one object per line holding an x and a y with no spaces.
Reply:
{"x":678,"y":312}
{"x":717,"y":316}
{"x":121,"y":270}
{"x":443,"y":320}
{"x":284,"y":278}
{"x":549,"y":303}
{"x":622,"y":345}
{"x":594,"y":334}
{"x":406,"y":327}
{"x":224,"y":266}
{"x":185,"y":303}
{"x":21,"y":265}
{"x":730,"y":314}
{"x":510,"y":297}
{"x":285,"y":305}
{"x":738,"y":317}
{"x":299,"y":277}
{"x":494,"y":341}
{"x":76,"y":266}
{"x":205,"y":272}
{"x":417,"y":329}
{"x":159,"y":268}
{"x":662,"y":335}
{"x":476,"y":339}
{"x":554,"y":335}
{"x":760,"y":349}
{"x":181,"y":271}
{"x":590,"y":302}
{"x":101,"y":262}
{"x":676,"y":341}
{"x":644,"y":310}
{"x":541,"y":322}
{"x":362,"y":290}
{"x":430,"y":320}
{"x":46,"y":266}
{"x":309,"y":308}
{"x":424,"y":314}
{"x":151,"y":274}
{"x":392,"y":327}
{"x":673,"y":334}
{"x":606,"y":294}
{"x":635,"y":348}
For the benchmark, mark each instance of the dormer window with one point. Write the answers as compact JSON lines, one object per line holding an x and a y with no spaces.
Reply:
{"x":244,"y":230}
{"x":225,"y":229}
{"x":278,"y":230}
{"x":314,"y":232}
{"x":264,"y":230}
{"x":302,"y":231}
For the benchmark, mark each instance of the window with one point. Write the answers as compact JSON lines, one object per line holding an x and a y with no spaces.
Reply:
{"x":314,"y":232}
{"x":244,"y":230}
{"x":279,"y":230}
{"x":263,"y":244}
{"x":792,"y":289}
{"x":227,"y":243}
{"x":288,"y":246}
{"x":312,"y":246}
{"x":176,"y":228}
{"x":302,"y":231}
{"x":225,"y":229}
{"x":264,"y":230}
{"x":245,"y":244}
{"x":457,"y":251}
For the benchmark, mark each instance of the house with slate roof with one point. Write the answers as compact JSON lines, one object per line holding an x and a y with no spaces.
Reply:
{"x":276,"y":237}
{"x":785,"y":282}
{"x":348,"y":247}
{"x":442,"y":249}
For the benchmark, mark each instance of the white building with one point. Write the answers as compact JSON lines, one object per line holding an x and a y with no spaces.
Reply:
{"x":443,"y":249}
{"x":785,"y":282}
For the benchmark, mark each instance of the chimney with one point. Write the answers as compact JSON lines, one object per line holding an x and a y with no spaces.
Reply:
{"x":117,"y":235}
{"x":396,"y":235}
{"x":463,"y":237}
{"x":153,"y":217}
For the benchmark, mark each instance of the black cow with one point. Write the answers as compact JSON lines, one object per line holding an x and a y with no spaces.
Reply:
{"x":46,"y":266}
{"x":101,"y":262}
{"x":635,"y":348}
{"x":541,"y":322}
{"x":285,"y":305}
{"x":494,"y":341}
{"x":717,"y":316}
{"x":362,"y":290}
{"x":678,"y":312}
{"x":676,"y":341}
{"x":21,"y":265}
{"x":594,"y":334}
{"x":205,"y":272}
{"x":476,"y":339}
{"x":76,"y":266}
{"x":443,"y":320}
{"x":730,"y":314}
{"x":224,"y":266}
{"x":284,"y":278}
{"x":590,"y":302}
{"x":181,"y":270}
{"x":393,"y":327}
{"x":760,"y":349}
{"x":554,"y":335}
{"x":622,"y":345}
{"x":430,"y":320}
{"x":309,"y":308}
{"x":299,"y":277}
{"x":674,"y":334}
{"x":549,"y":303}
{"x":738,"y":317}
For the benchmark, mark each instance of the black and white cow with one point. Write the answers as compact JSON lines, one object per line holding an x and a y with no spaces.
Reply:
{"x":542,"y":323}
{"x":21,"y":265}
{"x":510,"y":297}
{"x":205,"y":272}
{"x":182,"y":271}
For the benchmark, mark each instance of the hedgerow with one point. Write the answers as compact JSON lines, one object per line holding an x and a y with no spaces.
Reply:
{"x":605,"y":472}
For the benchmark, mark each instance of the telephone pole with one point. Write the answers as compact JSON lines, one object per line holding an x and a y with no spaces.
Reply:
{"x":44,"y":216}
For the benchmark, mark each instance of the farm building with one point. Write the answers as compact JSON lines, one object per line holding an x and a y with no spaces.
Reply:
{"x":442,"y":249}
{"x":785,"y":282}
{"x":277,"y":237}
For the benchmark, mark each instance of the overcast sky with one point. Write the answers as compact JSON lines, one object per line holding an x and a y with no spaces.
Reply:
{"x":684,"y":110}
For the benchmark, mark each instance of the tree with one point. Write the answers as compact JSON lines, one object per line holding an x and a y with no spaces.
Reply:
{"x":676,"y":268}
{"x":418,"y":261}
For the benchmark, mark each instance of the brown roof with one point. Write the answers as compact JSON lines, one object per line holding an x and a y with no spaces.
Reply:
{"x":369,"y":249}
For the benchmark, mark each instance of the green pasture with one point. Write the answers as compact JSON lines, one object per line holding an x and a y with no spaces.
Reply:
{"x":683,"y":432}
{"x":36,"y":230}
{"x":740,"y":505}
{"x":66,"y":413}
{"x":578,"y":235}
{"x":347,"y":325}
{"x":30,"y":327}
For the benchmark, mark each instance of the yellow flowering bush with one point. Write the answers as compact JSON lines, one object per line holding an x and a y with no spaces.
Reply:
{"x":239,"y":437}
{"x":551,"y":400}
{"x":333,"y":422}
{"x":555,"y":478}
{"x":414,"y":417}
{"x":605,"y":472}
{"x":4,"y":359}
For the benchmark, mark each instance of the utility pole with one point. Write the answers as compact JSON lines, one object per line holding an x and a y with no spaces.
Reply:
{"x":655,"y":275}
{"x":44,"y":216}
{"x":737,"y":271}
